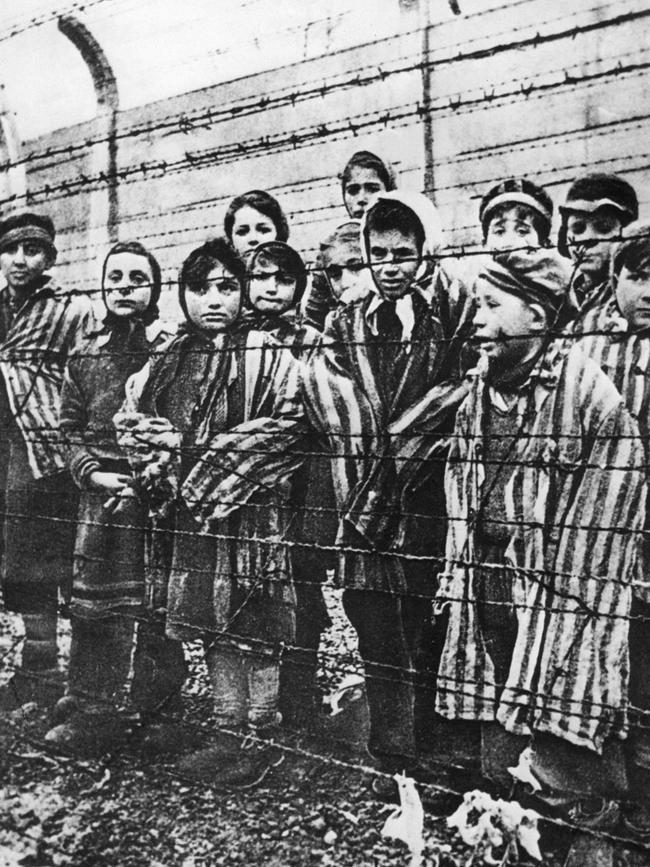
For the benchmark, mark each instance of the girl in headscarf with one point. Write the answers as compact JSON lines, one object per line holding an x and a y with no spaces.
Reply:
{"x":108,"y":574}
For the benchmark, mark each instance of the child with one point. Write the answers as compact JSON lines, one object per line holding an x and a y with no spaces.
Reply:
{"x":597,"y":207}
{"x":341,"y":261}
{"x":224,"y":389}
{"x":40,"y":324}
{"x":252,"y":219}
{"x":622,"y":350}
{"x":545,"y":496}
{"x":107,"y":589}
{"x":379,"y":355}
{"x":365,"y":176}
{"x":515,"y":213}
{"x":276,"y":280}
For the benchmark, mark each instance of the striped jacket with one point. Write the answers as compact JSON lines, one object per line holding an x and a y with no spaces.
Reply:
{"x":625,"y":357}
{"x":36,"y":342}
{"x":261,"y":453}
{"x":576,"y":503}
{"x":346,"y":402}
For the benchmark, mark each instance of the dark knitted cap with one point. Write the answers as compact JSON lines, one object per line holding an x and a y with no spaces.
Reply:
{"x":536,"y":276}
{"x":633,"y":249}
{"x":517,"y":191}
{"x":27,"y":226}
{"x":591,"y":193}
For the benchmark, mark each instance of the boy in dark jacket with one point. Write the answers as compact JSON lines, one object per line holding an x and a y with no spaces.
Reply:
{"x":597,"y":208}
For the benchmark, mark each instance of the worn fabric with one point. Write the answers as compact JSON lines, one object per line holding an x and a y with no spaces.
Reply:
{"x":230,"y":568}
{"x":100,"y":659}
{"x":624,"y":356}
{"x":108,"y":573}
{"x":39,"y":528}
{"x":349,"y":402}
{"x":310,"y":522}
{"x":590,"y":313}
{"x":576,"y":501}
{"x":36,"y":341}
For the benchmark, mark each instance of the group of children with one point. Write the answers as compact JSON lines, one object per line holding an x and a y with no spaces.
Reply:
{"x":468,"y":454}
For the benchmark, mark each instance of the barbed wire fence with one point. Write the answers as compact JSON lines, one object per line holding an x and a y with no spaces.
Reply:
{"x":507,"y":92}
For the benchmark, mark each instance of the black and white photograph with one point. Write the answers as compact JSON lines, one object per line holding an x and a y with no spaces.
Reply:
{"x":324,"y":433}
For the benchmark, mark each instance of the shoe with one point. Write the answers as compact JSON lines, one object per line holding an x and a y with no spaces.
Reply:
{"x":384,"y":789}
{"x":65,"y":708}
{"x":636,"y":824}
{"x":204,"y":765}
{"x":588,"y":850}
{"x":44,"y":688}
{"x":88,"y":735}
{"x":166,"y":737}
{"x":245,"y":771}
{"x":597,"y":814}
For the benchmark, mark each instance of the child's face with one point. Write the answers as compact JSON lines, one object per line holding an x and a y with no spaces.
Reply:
{"x":23,"y":263}
{"x":361,"y":190}
{"x":394,"y":261}
{"x":251,"y":228}
{"x":633,"y":295}
{"x":499,"y":316}
{"x":345,"y":270}
{"x":589,"y":237}
{"x":127,"y":284}
{"x":511,"y":229}
{"x":270,"y":289}
{"x":215,"y":306}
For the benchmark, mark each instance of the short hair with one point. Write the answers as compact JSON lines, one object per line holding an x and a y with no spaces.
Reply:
{"x":194,"y":271}
{"x":284,"y":258}
{"x":518,"y":191}
{"x":152,"y":312}
{"x":633,"y":250}
{"x":28,"y":226}
{"x":263,"y":202}
{"x":368,"y":160}
{"x":385,"y":215}
{"x":540,"y":225}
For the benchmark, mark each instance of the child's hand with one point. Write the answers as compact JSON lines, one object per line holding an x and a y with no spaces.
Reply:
{"x":112,"y":483}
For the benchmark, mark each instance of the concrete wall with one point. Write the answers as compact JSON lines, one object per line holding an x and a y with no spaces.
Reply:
{"x":502,"y":103}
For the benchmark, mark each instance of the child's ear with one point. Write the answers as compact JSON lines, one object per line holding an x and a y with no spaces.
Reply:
{"x":51,"y":258}
{"x":539,"y":319}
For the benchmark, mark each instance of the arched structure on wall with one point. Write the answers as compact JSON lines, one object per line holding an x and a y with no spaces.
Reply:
{"x":104,"y":205}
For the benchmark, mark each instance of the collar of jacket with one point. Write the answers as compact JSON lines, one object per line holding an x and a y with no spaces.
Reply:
{"x":546,"y":371}
{"x":404,"y":310}
{"x":45,"y":288}
{"x":598,"y":296}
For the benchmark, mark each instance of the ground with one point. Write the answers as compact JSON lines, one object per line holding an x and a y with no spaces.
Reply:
{"x":314,"y":808}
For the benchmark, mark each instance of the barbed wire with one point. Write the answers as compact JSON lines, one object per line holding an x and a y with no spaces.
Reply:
{"x":208,"y":116}
{"x":298,"y":138}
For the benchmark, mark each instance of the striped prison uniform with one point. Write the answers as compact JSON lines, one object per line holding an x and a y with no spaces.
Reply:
{"x":575,"y":502}
{"x":36,"y":342}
